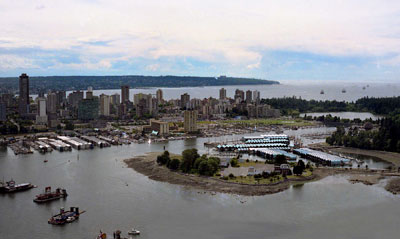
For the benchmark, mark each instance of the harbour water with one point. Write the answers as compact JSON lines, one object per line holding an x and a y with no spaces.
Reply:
{"x":332,"y":91}
{"x":116,"y":197}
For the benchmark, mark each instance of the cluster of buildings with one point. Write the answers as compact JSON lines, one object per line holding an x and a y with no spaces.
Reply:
{"x":55,"y":107}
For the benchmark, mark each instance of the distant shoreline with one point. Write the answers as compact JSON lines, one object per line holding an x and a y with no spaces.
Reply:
{"x":70,"y":83}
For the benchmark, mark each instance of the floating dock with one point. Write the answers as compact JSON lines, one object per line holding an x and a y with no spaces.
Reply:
{"x":321,"y":157}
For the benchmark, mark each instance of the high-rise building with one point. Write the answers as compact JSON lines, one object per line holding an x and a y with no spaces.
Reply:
{"x":239,"y":95}
{"x":249,"y":96}
{"x":256,"y":97}
{"x":159,"y":95}
{"x":222,"y":94}
{"x":62,"y":97}
{"x":3,"y":111}
{"x":124,"y":93}
{"x":24,"y":94}
{"x":185,"y":101}
{"x":74,"y":98}
{"x":190,"y":120}
{"x":52,"y":100}
{"x":41,"y":117}
{"x":105,"y":102}
{"x":115,"y":99}
{"x":88,"y":109}
{"x":89,"y":93}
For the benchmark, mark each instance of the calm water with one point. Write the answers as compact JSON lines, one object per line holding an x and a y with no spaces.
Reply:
{"x":345,"y":115}
{"x":333,"y":91}
{"x":97,"y":182}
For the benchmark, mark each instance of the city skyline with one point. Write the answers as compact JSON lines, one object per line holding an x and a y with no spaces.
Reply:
{"x":265,"y":39}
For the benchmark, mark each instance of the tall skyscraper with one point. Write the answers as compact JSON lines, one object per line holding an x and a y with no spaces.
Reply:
{"x":105,"y":101}
{"x":160,"y":96}
{"x":41,"y":117}
{"x":124,"y":93}
{"x":239,"y":95}
{"x":24,"y":94}
{"x":74,"y":98}
{"x":222,"y":94}
{"x":115,"y":99}
{"x":249,"y":96}
{"x":3,"y":111}
{"x":185,"y":101}
{"x":190,"y":120}
{"x":256,"y":97}
{"x":52,"y":100}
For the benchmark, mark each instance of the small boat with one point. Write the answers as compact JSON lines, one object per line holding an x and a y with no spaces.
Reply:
{"x":134,"y":232}
{"x":363,"y":88}
{"x":65,"y":216}
{"x":322,"y":92}
{"x":45,"y":161}
{"x":48,"y":195}
{"x":343,"y":90}
{"x":11,"y":187}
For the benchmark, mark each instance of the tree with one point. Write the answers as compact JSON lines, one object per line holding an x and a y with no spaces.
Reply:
{"x":298,"y":170}
{"x":301,"y":164}
{"x":163,"y":158}
{"x":188,"y":158}
{"x":69,"y":126}
{"x":280,"y":159}
{"x":174,"y":164}
{"x":234,"y":162}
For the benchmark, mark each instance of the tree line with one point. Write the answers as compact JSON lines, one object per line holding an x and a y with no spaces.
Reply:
{"x":294,"y":105}
{"x":387,"y":137}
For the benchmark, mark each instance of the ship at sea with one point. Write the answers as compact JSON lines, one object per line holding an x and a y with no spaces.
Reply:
{"x":322,"y":92}
{"x":343,"y":90}
{"x":48,"y":195}
{"x":65,"y":216}
{"x":11,"y":186}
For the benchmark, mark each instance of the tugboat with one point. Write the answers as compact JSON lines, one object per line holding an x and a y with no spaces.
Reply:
{"x":48,"y":195}
{"x":65,"y":216}
{"x":11,"y":187}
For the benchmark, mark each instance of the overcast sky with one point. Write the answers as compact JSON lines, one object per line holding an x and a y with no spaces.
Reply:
{"x":277,"y":40}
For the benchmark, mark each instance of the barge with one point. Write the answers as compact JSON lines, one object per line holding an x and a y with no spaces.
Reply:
{"x":48,"y":195}
{"x":11,"y":187}
{"x":65,"y":216}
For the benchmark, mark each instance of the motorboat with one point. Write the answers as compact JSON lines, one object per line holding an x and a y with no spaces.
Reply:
{"x":134,"y":232}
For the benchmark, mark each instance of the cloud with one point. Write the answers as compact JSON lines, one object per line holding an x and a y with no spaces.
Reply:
{"x":152,"y":67}
{"x":11,"y":62}
{"x":229,"y":34}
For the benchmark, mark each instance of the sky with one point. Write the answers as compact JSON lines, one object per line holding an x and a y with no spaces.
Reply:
{"x":342,"y":40}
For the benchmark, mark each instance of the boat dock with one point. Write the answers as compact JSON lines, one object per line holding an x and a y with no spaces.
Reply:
{"x":321,"y":157}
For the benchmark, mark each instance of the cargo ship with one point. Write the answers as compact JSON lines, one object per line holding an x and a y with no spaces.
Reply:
{"x":11,"y":187}
{"x":65,"y":216}
{"x":48,"y":195}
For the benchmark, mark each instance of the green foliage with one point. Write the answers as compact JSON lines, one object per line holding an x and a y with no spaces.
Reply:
{"x":163,"y":159}
{"x":69,"y":126}
{"x":234,"y":162}
{"x":280,"y":159}
{"x":387,"y":137}
{"x":188,"y":158}
{"x":297,"y":170}
{"x":174,"y":164}
{"x":301,"y":164}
